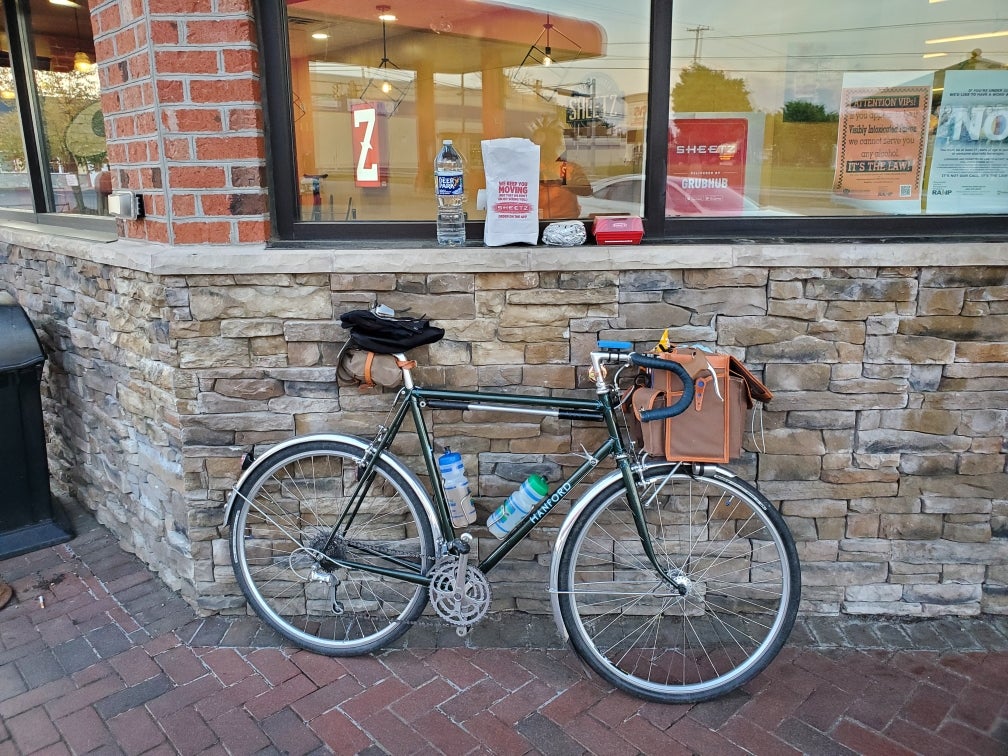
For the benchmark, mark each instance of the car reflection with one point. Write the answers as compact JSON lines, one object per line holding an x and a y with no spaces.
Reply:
{"x":623,"y":195}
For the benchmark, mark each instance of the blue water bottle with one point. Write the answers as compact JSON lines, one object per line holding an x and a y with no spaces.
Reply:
{"x":517,"y":505}
{"x":456,"y":488}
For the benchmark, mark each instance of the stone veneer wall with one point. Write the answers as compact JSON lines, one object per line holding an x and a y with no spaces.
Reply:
{"x":885,"y":442}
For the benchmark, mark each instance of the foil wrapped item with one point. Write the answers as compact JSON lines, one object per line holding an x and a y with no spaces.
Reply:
{"x":565,"y":234}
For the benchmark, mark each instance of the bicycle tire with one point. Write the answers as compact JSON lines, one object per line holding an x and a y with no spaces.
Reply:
{"x":285,"y":512}
{"x":640,"y":634}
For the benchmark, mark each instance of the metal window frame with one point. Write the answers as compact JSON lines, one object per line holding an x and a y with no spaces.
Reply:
{"x":17,"y":17}
{"x":288,"y":229}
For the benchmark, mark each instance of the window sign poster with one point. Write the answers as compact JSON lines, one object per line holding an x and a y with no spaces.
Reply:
{"x":882,"y":140}
{"x":706,"y":166}
{"x":969,"y":166}
{"x":370,"y":144}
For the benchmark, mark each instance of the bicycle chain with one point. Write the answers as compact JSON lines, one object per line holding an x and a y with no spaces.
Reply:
{"x":336,"y":549}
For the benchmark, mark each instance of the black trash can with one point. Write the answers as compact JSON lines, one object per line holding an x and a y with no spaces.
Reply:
{"x":29,"y":520}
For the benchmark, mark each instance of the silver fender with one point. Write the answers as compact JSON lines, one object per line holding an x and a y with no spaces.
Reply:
{"x":408,"y":475}
{"x":568,"y":524}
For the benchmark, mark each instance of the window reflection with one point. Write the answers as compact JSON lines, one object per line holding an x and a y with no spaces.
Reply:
{"x":777,"y":89}
{"x":15,"y":184}
{"x":373,"y":97}
{"x":66,"y":79}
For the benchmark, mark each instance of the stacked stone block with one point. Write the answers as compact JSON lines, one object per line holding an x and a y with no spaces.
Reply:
{"x":884,"y":446}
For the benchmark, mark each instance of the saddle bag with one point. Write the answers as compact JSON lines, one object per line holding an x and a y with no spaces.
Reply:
{"x":711,"y":428}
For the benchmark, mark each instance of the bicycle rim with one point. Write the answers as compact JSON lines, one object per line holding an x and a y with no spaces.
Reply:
{"x":636,"y":629}
{"x":279,"y":537}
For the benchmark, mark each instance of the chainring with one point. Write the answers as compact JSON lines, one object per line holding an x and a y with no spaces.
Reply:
{"x":461,"y":608}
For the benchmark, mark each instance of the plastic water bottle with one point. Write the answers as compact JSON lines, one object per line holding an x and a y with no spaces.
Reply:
{"x":448,"y":170}
{"x":456,"y":488}
{"x":517,"y":505}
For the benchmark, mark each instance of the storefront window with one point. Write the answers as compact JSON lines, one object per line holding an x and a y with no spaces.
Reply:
{"x":376,"y":88}
{"x":50,"y":60}
{"x":15,"y":184}
{"x":853,"y":109}
{"x":710,"y":120}
{"x":66,"y":79}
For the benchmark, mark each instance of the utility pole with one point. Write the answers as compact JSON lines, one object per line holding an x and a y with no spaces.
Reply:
{"x":698,"y":31}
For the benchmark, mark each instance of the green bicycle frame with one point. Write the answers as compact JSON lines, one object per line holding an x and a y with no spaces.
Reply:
{"x":412,"y":401}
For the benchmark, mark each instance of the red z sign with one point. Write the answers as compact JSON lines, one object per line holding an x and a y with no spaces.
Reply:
{"x":367,"y":145}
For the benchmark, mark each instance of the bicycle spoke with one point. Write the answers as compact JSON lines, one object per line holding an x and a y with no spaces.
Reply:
{"x":727,"y":613}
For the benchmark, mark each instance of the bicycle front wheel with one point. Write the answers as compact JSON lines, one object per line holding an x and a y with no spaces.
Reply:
{"x":302,"y":549}
{"x":718,"y":615}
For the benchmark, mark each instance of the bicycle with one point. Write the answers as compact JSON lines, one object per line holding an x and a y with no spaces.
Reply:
{"x":675,"y":582}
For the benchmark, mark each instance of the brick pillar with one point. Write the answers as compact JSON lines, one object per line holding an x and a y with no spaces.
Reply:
{"x":183,"y":117}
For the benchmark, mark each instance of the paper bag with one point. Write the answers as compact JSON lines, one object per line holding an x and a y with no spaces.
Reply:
{"x":512,"y":191}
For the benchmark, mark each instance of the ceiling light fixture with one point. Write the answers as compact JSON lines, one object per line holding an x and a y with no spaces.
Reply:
{"x":320,"y":35}
{"x":544,"y":56}
{"x":65,"y":3}
{"x":386,"y":16}
{"x":964,"y":37}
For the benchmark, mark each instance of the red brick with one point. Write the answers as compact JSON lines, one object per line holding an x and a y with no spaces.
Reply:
{"x":379,"y":696}
{"x":78,"y":699}
{"x":753,"y":737}
{"x":84,"y":731}
{"x":272,"y":665}
{"x":239,"y":732}
{"x":182,"y":120}
{"x":231,"y":697}
{"x":230,"y":148}
{"x":187,"y":62}
{"x":177,"y":149}
{"x":928,"y":707}
{"x":184,"y":696}
{"x":243,"y":119}
{"x":340,"y":733}
{"x":218,"y":33}
{"x":925,"y":741}
{"x":390,"y":732}
{"x":444,"y":734}
{"x":166,"y":7}
{"x":648,"y":738}
{"x":106,"y":19}
{"x":164,"y":32}
{"x":824,"y":707}
{"x":522,"y":702}
{"x":239,"y":61}
{"x":195,"y":177}
{"x":573,"y":701}
{"x":503,"y":738}
{"x":135,"y":731}
{"x":321,"y":670}
{"x":700,"y":739}
{"x":181,"y":665}
{"x":862,"y":740}
{"x":226,"y":663}
{"x":187,"y":731}
{"x":224,"y":90}
{"x":253,"y":231}
{"x":170,"y":91}
{"x":422,"y":699}
{"x":32,"y":730}
{"x":285,"y":694}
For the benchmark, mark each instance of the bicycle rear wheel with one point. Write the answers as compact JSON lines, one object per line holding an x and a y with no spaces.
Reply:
{"x":742,"y":585}
{"x":280,"y":540}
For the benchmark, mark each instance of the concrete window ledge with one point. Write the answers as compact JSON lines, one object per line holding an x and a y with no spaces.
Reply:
{"x":397,"y":258}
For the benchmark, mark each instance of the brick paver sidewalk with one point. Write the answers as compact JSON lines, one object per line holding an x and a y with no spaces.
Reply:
{"x":111,"y":661}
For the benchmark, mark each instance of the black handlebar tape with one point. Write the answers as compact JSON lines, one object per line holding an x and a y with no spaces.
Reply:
{"x":656,"y":363}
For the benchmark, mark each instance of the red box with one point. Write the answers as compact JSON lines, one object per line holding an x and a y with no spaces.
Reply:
{"x":618,"y":229}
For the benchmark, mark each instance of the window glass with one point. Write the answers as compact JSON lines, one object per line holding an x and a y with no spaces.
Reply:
{"x":842,"y":109}
{"x":375,"y":89}
{"x":15,"y":184}
{"x":66,"y":79}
